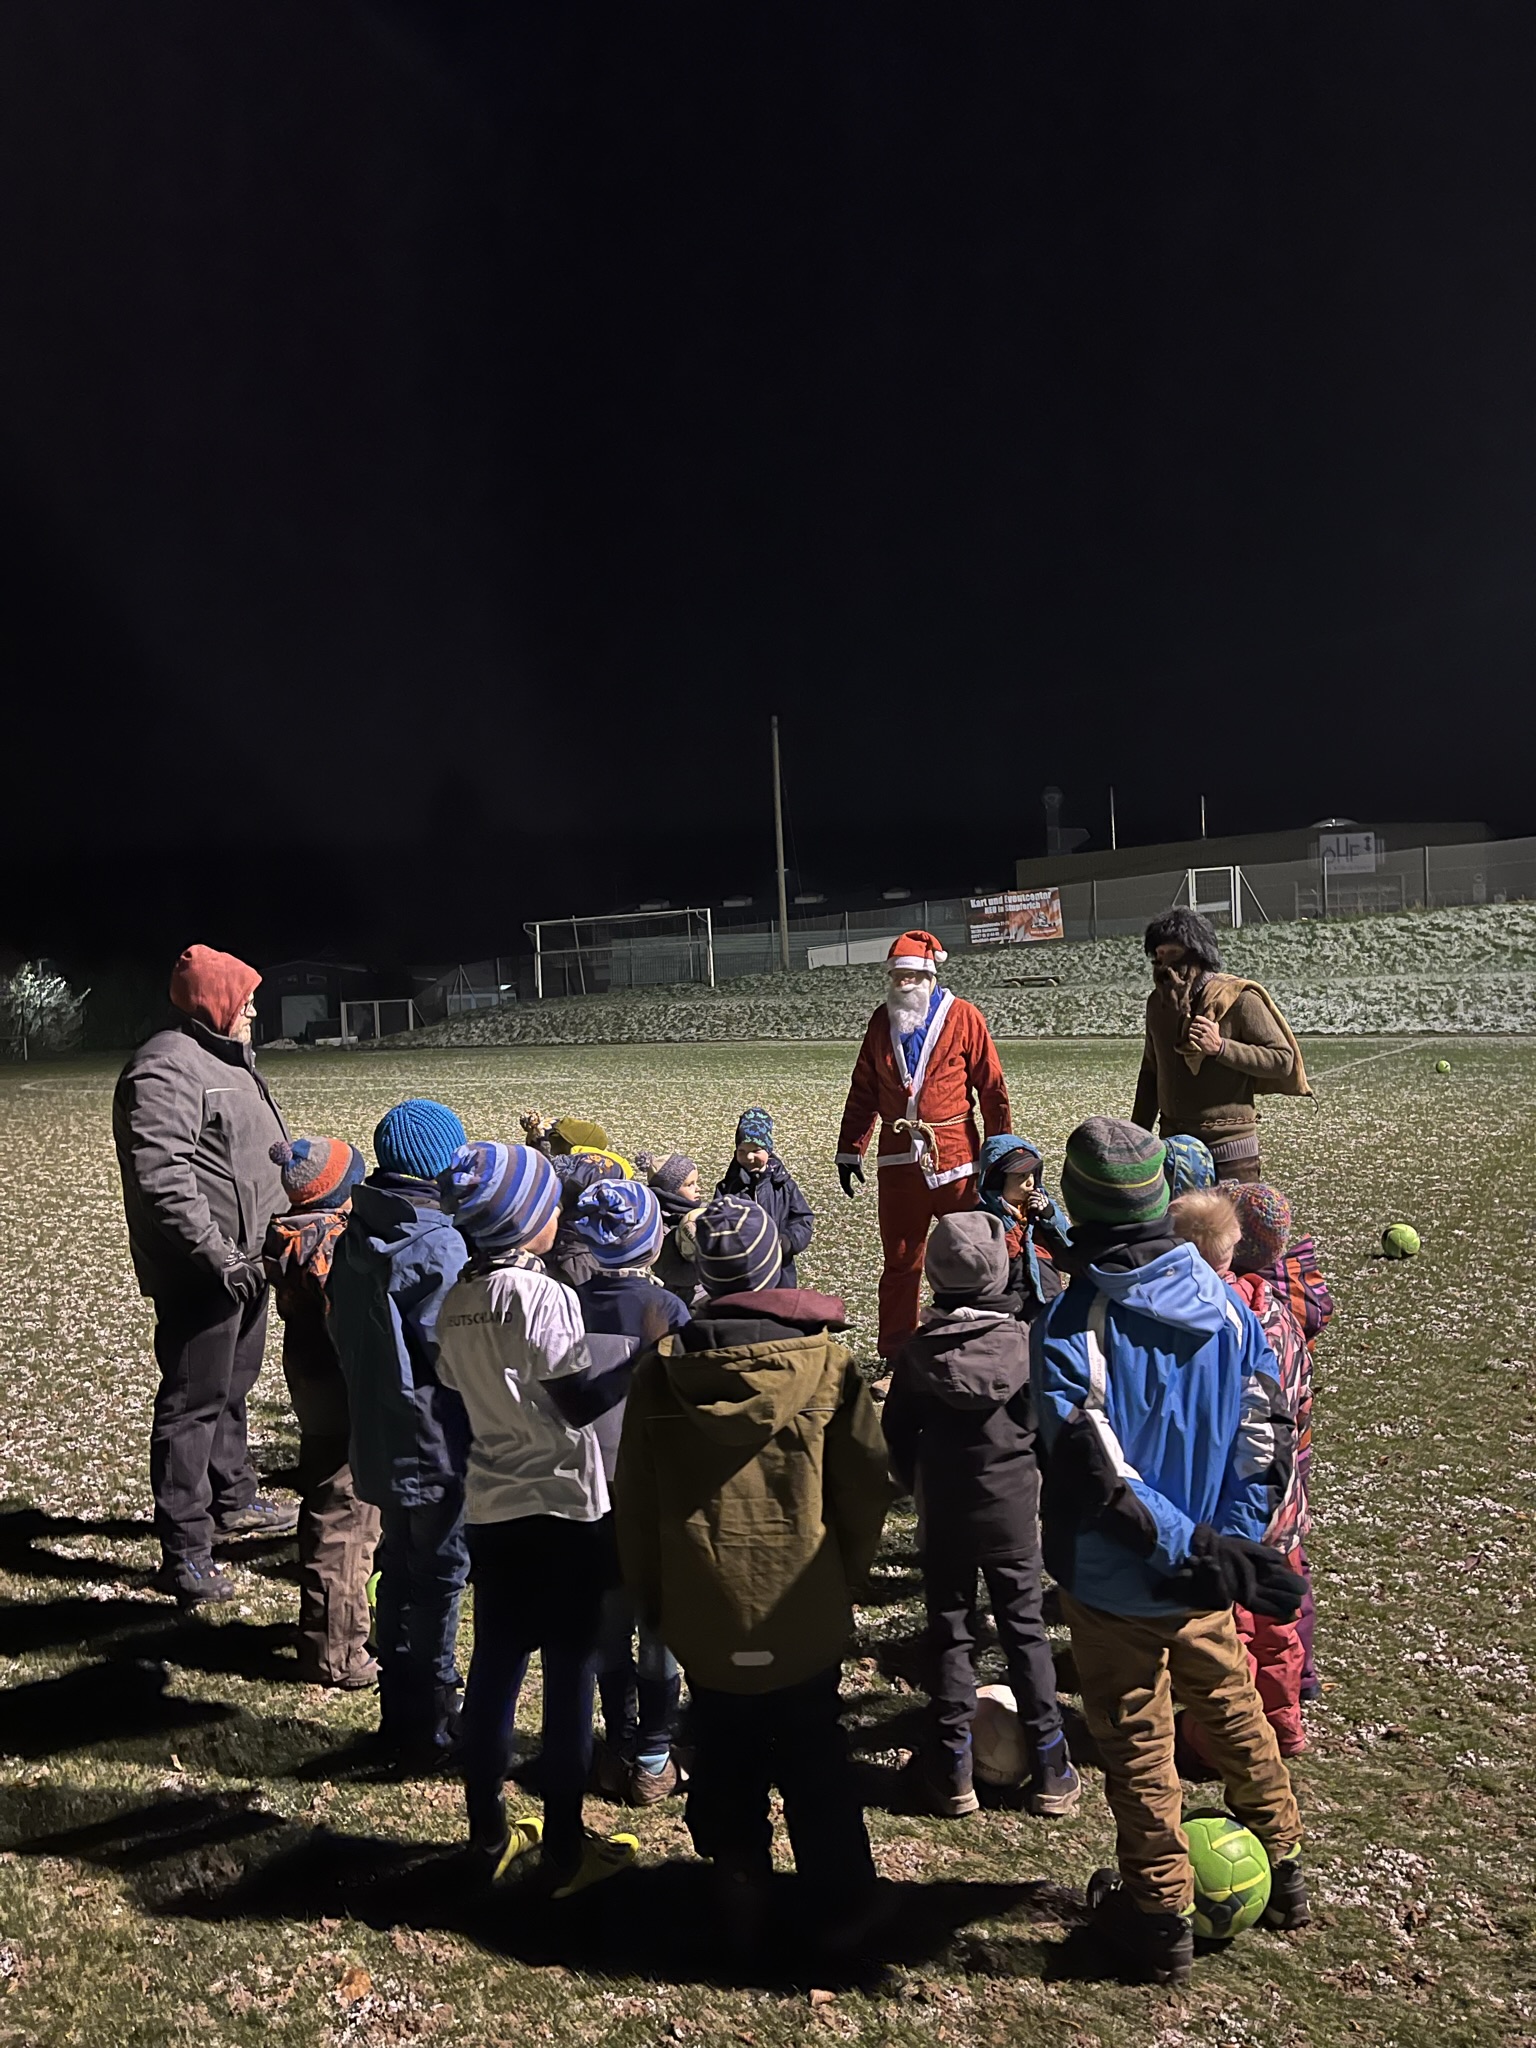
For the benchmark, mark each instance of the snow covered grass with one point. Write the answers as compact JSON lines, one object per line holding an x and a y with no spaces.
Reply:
{"x":1461,"y":970}
{"x":194,"y":1865}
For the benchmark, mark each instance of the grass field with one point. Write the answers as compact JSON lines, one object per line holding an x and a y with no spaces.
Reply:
{"x":195,"y":1863}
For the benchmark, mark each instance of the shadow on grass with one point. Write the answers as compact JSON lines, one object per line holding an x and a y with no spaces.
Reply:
{"x":25,"y":1534}
{"x":219,"y":1859}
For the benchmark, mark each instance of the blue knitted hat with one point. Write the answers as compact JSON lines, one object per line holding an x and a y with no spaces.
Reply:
{"x":417,"y":1137}
{"x":619,"y":1221}
{"x":738,"y":1247}
{"x":1188,"y":1165}
{"x":500,"y":1196}
{"x":755,"y":1127}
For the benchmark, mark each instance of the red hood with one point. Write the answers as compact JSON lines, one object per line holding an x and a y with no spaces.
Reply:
{"x":784,"y":1304}
{"x":213,"y":987}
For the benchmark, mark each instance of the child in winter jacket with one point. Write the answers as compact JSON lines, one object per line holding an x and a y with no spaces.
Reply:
{"x":1038,"y":1239}
{"x":541,"y":1545}
{"x":626,"y":1309}
{"x":1296,"y":1277}
{"x":337,"y":1530}
{"x":760,"y":1175}
{"x":1212,"y":1223}
{"x":751,"y":1493}
{"x":962,"y":1437}
{"x":1168,"y":1449}
{"x":394,"y":1264}
{"x":674,"y":1181}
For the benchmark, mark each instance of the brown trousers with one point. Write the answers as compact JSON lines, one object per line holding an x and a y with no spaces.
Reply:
{"x":337,"y":1531}
{"x":1129,"y":1668}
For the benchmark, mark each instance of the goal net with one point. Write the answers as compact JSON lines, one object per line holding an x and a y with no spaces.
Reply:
{"x":584,"y":956}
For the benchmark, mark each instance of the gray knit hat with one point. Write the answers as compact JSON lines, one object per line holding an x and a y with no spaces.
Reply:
{"x":668,"y":1172}
{"x":1114,"y":1173}
{"x":967,"y":1254}
{"x":738,"y":1247}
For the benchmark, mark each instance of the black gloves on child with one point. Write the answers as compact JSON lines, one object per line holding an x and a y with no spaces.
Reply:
{"x":1227,"y":1570}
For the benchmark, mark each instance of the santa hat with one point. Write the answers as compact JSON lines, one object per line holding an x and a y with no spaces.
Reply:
{"x":919,"y":952}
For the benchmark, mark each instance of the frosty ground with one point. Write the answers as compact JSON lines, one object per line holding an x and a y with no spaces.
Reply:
{"x":198,"y":1862}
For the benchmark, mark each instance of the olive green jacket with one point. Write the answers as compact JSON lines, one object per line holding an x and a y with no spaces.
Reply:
{"x":751,"y":1490}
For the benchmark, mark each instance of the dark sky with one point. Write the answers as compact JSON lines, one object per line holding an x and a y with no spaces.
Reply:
{"x":436,"y":436}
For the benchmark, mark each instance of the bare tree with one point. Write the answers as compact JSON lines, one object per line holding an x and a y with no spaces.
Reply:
{"x":39,"y":1011}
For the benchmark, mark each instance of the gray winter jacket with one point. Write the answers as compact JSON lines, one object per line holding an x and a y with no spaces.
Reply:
{"x":193,"y":1124}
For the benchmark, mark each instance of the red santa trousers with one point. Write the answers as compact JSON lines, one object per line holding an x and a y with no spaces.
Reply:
{"x":1275,"y":1658}
{"x":908,"y":1206}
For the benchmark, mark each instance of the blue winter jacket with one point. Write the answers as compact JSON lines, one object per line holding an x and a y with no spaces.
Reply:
{"x":394,"y":1263}
{"x":624,"y":1313}
{"x":1159,"y":1409}
{"x":774,"y":1189}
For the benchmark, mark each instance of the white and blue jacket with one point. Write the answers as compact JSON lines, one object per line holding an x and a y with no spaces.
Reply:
{"x":1159,"y":1409}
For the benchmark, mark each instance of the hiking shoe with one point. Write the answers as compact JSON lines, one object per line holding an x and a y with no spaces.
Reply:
{"x":608,"y":1774}
{"x":362,"y":1676}
{"x":599,"y":1859}
{"x":261,"y":1518}
{"x":1055,"y":1788}
{"x":649,"y":1788}
{"x":1288,"y":1906}
{"x":1154,"y":1947}
{"x":192,"y":1583}
{"x":941,"y":1783}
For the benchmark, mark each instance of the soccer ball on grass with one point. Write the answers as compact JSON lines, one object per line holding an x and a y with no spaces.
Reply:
{"x":999,"y":1753}
{"x":1400,"y":1241}
{"x":1231,"y":1874}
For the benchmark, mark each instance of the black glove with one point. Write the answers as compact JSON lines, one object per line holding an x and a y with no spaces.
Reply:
{"x":245,"y":1280}
{"x":848,"y":1175}
{"x":1224,"y":1570}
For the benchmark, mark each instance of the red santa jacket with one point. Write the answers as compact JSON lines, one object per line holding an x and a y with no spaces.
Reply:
{"x":958,"y":1056}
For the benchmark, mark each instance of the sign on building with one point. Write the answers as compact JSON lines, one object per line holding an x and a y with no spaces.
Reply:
{"x":1349,"y":853}
{"x":1014,"y":916}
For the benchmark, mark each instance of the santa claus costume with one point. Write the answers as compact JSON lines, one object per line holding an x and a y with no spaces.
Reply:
{"x":918,"y":1071}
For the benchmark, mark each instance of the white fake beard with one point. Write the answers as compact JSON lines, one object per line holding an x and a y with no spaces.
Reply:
{"x":908,"y":1006}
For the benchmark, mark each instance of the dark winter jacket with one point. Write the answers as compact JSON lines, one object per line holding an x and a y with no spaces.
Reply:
{"x":751,"y":1490}
{"x":961,"y":1434}
{"x":774,"y":1189}
{"x":395,"y":1262}
{"x":194,"y":1124}
{"x":677,"y":1263}
{"x":624,"y":1313}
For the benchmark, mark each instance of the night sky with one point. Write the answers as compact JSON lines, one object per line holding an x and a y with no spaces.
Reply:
{"x":436,"y":436}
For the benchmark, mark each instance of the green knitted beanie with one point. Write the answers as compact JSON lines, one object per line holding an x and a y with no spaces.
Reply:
{"x":1114,"y":1173}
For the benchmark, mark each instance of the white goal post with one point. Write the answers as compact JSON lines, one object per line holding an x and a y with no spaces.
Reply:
{"x":630,"y":949}
{"x":365,"y":1020}
{"x":1217,"y":890}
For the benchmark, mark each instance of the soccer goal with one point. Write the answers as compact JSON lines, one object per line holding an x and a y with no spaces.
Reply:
{"x":584,"y":956}
{"x":361,"y":1021}
{"x":1220,"y":893}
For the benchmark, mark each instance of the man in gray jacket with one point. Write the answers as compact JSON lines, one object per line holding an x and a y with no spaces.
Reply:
{"x":194,"y":1125}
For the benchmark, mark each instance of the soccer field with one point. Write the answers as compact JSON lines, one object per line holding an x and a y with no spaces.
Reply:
{"x":195,"y":1861}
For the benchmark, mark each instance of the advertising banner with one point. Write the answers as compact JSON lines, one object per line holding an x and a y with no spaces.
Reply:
{"x":1015,"y":916}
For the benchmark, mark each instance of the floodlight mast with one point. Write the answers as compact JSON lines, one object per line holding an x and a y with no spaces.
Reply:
{"x":778,"y":846}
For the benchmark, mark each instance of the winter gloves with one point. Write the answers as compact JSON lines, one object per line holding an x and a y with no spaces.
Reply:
{"x":245,"y":1280}
{"x":849,"y":1174}
{"x":1227,"y":1570}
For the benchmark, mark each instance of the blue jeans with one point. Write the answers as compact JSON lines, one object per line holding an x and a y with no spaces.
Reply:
{"x":423,"y":1562}
{"x":640,"y":1695}
{"x":539,"y":1585}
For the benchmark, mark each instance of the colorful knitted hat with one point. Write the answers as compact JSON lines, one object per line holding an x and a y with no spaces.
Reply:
{"x":318,"y":1173}
{"x":500,"y":1196}
{"x":566,"y":1133}
{"x":619,"y":1221}
{"x":1265,"y":1217}
{"x":668,"y":1173}
{"x":577,"y":1171}
{"x":1188,"y":1165}
{"x":738,"y":1247}
{"x":1114,"y":1173}
{"x":755,"y":1127}
{"x":418,"y":1138}
{"x":967,"y":1254}
{"x":625,"y":1166}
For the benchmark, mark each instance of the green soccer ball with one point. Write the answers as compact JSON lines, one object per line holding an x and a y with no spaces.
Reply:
{"x":1231,"y":1875}
{"x":1442,"y":1066}
{"x":1400,"y":1241}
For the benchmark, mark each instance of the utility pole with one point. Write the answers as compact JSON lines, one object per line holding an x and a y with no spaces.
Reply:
{"x":1113,"y":841}
{"x":1202,"y":817}
{"x":778,"y":848}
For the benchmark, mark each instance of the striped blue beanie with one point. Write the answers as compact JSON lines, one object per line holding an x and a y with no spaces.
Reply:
{"x":755,"y":1127}
{"x":500,"y":1196}
{"x":738,"y":1247}
{"x":1188,"y":1165}
{"x":619,"y":1222}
